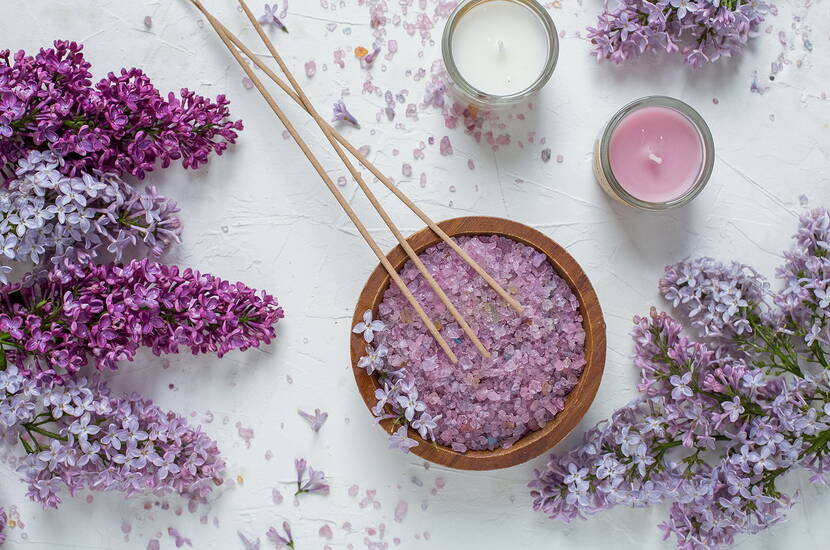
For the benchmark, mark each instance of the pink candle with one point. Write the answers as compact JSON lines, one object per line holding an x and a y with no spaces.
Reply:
{"x":656,"y":153}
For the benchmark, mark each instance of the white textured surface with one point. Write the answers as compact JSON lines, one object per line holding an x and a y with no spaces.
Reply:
{"x":259,"y":214}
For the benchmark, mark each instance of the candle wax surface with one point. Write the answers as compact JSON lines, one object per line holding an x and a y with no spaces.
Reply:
{"x":500,"y":47}
{"x":656,"y":154}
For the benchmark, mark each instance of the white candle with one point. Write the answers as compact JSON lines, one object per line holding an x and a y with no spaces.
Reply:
{"x":500,"y":47}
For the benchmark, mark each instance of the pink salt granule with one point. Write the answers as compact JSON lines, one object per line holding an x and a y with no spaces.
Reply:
{"x":536,"y":357}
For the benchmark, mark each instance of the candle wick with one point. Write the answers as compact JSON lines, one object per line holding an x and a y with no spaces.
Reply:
{"x":654,"y":158}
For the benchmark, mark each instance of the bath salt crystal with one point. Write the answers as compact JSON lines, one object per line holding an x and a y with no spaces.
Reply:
{"x":536,"y":357}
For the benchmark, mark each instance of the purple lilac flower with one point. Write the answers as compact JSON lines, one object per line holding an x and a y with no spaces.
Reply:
{"x":701,"y":31}
{"x":341,"y":113}
{"x":368,"y":327}
{"x":3,"y":520}
{"x":78,"y":435}
{"x":374,"y":360}
{"x":120,"y":125}
{"x":270,"y":18}
{"x":401,"y":441}
{"x":316,"y":481}
{"x":82,"y":314}
{"x":315,"y":420}
{"x":47,"y":217}
{"x":281,"y":541}
{"x":719,"y":423}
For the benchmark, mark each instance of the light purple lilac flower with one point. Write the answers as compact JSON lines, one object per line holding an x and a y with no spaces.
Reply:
{"x":368,"y":327}
{"x":281,"y":541}
{"x":701,"y":31}
{"x":316,"y":481}
{"x":3,"y":521}
{"x":121,"y":125}
{"x":374,"y":360}
{"x":342,"y":113}
{"x":78,"y":435}
{"x":315,"y":420}
{"x":400,"y":440}
{"x":249,"y":544}
{"x":47,"y":217}
{"x":81,"y":314}
{"x":270,"y":18}
{"x":719,"y":423}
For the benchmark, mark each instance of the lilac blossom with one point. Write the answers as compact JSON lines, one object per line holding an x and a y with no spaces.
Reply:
{"x":342,"y":113}
{"x":315,"y":420}
{"x":719,"y":423}
{"x":77,"y":435}
{"x":701,"y":31}
{"x":270,"y":18}
{"x":120,"y":125}
{"x":249,"y":544}
{"x":368,"y":327}
{"x":374,"y":358}
{"x":281,"y":541}
{"x":101,"y":315}
{"x":316,"y":481}
{"x":47,"y":217}
{"x":3,"y":521}
{"x":401,"y":441}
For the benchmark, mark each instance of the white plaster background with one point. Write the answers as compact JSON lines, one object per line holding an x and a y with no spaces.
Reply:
{"x":261,"y":215}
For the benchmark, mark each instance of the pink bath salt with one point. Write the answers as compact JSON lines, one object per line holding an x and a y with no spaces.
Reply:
{"x":401,"y":510}
{"x":353,"y":490}
{"x":310,"y":68}
{"x":536,"y":357}
{"x":440,"y":483}
{"x":276,"y":496}
{"x":446,"y":146}
{"x":325,"y":532}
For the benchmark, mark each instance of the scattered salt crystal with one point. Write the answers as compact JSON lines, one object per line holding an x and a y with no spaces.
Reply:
{"x":310,"y":68}
{"x":353,"y":490}
{"x":148,"y":21}
{"x":406,"y":170}
{"x":446,"y":146}
{"x":247,"y":83}
{"x":325,"y":532}
{"x":545,"y":155}
{"x":401,"y":510}
{"x":560,"y":159}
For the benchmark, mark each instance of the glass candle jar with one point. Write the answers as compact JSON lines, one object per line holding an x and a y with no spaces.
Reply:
{"x":499,"y":52}
{"x":656,"y":153}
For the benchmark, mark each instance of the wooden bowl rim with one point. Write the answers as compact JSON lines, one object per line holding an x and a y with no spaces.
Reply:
{"x":577,"y":401}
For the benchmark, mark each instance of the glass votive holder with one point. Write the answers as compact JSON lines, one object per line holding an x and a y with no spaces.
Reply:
{"x":654,"y":154}
{"x":499,"y":52}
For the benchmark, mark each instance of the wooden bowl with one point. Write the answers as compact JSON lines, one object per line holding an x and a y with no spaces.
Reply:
{"x":576,"y":403}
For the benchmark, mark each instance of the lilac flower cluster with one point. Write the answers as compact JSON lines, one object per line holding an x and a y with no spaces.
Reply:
{"x":47,"y":216}
{"x":78,"y":435}
{"x":120,"y":125}
{"x":3,"y":520}
{"x":53,"y":327}
{"x":702,"y":30}
{"x":719,"y":422}
{"x":398,"y":399}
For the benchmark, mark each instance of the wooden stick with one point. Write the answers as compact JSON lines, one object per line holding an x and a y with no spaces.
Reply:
{"x":512,"y":302}
{"x":330,"y":184}
{"x":365,"y":188}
